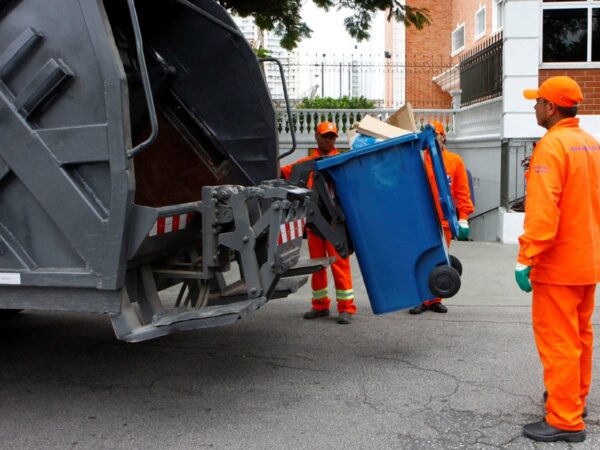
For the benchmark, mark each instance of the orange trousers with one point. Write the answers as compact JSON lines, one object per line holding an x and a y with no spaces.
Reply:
{"x":562,"y":326}
{"x":342,"y":277}
{"x":448,"y":236}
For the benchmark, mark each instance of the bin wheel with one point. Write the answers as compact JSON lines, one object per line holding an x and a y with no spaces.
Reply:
{"x":444,"y":281}
{"x":455,"y":262}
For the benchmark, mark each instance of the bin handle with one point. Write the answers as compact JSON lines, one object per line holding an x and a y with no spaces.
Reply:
{"x":287,"y":105}
{"x":441,"y":179}
{"x":145,"y":81}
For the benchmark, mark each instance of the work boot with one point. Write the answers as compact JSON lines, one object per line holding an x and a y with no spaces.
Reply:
{"x":418,"y":309}
{"x":344,"y":318}
{"x":583,"y":415}
{"x":315,"y":314}
{"x":541,"y":431}
{"x":438,"y":307}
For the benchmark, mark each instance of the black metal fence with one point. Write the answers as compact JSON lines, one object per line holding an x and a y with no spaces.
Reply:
{"x":481,"y":71}
{"x":389,"y":82}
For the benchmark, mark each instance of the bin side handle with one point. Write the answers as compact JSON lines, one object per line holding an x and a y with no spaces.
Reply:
{"x":145,"y":81}
{"x":287,"y":105}
{"x":441,"y":179}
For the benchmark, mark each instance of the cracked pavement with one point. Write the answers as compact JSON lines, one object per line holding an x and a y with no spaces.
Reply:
{"x":467,"y":379}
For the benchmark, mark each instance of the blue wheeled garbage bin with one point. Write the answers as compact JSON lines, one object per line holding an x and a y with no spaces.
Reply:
{"x":391,"y":217}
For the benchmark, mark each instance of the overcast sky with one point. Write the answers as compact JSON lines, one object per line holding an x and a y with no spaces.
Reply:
{"x":330,"y":36}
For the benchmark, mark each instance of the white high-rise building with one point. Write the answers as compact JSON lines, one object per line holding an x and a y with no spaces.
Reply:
{"x":333,"y":64}
{"x":270,"y":40}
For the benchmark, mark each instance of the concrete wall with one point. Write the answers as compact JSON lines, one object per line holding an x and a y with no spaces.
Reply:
{"x":485,"y":228}
{"x":520,"y":67}
{"x":510,"y":226}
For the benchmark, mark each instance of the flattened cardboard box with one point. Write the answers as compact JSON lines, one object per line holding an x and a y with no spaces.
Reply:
{"x":376,"y":128}
{"x":403,"y":118}
{"x":352,"y":131}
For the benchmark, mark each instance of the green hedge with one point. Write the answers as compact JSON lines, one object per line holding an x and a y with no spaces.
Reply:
{"x":344,"y":102}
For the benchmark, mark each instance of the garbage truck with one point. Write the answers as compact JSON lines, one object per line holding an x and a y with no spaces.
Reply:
{"x":138,"y":152}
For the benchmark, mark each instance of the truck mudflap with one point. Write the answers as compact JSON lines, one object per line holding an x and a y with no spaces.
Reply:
{"x":250,"y":253}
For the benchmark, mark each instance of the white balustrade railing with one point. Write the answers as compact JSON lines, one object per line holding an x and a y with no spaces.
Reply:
{"x":479,"y":120}
{"x":306,"y":120}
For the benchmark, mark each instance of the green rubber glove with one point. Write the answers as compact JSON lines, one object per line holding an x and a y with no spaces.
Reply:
{"x":463,"y":230}
{"x":522,"y":276}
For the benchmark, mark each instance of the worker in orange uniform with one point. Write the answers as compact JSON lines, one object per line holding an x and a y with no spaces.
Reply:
{"x":559,"y":256}
{"x":461,"y":195}
{"x":326,"y":135}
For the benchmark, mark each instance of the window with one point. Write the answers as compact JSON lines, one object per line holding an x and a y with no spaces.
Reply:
{"x":498,"y":15}
{"x":571,"y":33}
{"x":458,"y":39}
{"x":596,"y":34}
{"x":480,"y":23}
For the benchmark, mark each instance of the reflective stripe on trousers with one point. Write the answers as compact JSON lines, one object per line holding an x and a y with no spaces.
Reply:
{"x":342,"y":277}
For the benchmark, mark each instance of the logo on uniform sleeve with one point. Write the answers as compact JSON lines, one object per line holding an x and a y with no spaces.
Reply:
{"x":585,"y":148}
{"x":540,"y":169}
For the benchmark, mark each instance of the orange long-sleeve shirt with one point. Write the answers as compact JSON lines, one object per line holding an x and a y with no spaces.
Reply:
{"x":286,"y":171}
{"x":561,"y":238}
{"x":459,"y":185}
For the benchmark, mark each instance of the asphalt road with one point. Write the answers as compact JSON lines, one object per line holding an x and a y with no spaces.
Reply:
{"x":466,"y":379}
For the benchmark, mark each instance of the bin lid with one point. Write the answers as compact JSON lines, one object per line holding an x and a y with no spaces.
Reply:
{"x":341,"y":158}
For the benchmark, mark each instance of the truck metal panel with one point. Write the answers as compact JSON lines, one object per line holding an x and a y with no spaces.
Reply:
{"x":94,"y":215}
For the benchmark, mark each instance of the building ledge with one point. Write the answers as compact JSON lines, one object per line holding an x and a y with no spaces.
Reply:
{"x":510,"y":226}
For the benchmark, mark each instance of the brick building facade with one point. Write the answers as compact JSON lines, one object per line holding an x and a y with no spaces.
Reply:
{"x":588,"y":79}
{"x":426,"y":47}
{"x":435,"y":43}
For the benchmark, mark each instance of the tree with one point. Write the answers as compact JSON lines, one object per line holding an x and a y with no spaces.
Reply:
{"x":284,"y":17}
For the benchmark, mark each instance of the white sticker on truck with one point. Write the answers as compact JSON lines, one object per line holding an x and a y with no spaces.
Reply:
{"x":10,"y":278}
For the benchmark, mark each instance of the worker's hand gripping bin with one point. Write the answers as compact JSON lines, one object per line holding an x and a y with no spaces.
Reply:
{"x":391,"y":217}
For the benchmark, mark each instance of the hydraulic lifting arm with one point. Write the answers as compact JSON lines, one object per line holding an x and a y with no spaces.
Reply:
{"x":324,"y":214}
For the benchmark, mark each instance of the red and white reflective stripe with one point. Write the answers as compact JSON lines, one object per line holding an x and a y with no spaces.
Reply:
{"x":291,"y":230}
{"x":164,"y":225}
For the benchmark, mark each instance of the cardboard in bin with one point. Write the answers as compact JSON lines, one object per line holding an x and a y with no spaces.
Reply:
{"x":352,"y":131}
{"x":373,"y":127}
{"x":403,"y":118}
{"x":400,"y":123}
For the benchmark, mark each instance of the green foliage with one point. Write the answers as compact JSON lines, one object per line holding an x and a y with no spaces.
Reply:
{"x":344,"y":102}
{"x":284,"y":17}
{"x":262,"y":52}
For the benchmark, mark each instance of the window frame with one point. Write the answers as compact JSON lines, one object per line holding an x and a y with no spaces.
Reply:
{"x":455,"y":52}
{"x":479,"y":36}
{"x":589,"y":5}
{"x":497,"y":11}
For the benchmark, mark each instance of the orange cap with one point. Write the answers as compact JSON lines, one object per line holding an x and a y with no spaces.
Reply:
{"x":439,"y":127}
{"x":562,"y":91}
{"x":327,"y":127}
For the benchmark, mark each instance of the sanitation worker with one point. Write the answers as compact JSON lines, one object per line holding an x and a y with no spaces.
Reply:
{"x":326,"y":135}
{"x":559,"y":256}
{"x":461,"y":195}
